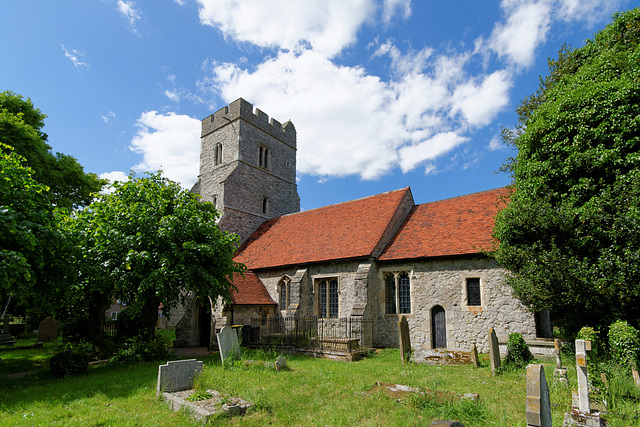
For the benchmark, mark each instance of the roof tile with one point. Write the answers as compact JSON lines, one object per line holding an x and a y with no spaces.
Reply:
{"x":250,"y":290}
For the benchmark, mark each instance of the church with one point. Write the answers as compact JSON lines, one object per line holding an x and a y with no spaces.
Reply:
{"x":375,"y":258}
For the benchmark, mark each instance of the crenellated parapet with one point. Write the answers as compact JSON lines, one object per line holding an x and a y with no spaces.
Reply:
{"x":241,"y":109}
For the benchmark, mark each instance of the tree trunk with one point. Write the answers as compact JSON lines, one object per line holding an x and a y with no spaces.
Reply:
{"x":97,"y":307}
{"x":149,"y":314}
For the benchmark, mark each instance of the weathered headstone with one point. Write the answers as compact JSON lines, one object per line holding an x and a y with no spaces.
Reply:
{"x":494,"y":351}
{"x":177,"y":375}
{"x":581,"y":371}
{"x":48,"y":330}
{"x":280,"y":363}
{"x":636,"y":377}
{"x":538,"y":402}
{"x":228,"y":343}
{"x":474,"y":356}
{"x":405,"y":341}
{"x":559,"y":373}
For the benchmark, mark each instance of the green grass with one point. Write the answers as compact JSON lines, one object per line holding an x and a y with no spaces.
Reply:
{"x":311,"y":392}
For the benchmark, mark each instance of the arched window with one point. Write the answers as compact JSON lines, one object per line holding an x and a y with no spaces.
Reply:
{"x":397,"y":292}
{"x":265,"y":205}
{"x":217,"y":155}
{"x":284,"y":289}
{"x":264,"y":155}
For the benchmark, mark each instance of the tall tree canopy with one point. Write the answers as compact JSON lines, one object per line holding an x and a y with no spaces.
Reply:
{"x":150,"y":242}
{"x":571,"y":232}
{"x":21,"y":127}
{"x":28,"y":230}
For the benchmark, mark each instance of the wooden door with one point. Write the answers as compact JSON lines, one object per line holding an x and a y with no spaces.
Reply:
{"x":439,"y":327}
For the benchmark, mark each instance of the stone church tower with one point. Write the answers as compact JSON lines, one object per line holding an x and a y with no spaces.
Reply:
{"x":247,"y":167}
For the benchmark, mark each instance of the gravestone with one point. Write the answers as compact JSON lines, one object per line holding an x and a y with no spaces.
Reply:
{"x":228,"y":343}
{"x":446,"y":423}
{"x":474,"y":356}
{"x":538,"y":402}
{"x":636,"y":377}
{"x":177,"y":375}
{"x":581,"y":371}
{"x":559,"y":373}
{"x":405,"y":341}
{"x":494,"y":351}
{"x":5,"y":336}
{"x":280,"y":363}
{"x":48,"y":330}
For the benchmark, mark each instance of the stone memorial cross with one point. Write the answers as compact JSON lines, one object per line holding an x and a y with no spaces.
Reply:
{"x":581,"y":370}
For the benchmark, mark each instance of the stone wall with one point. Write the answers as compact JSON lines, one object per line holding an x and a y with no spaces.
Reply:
{"x":443,"y":283}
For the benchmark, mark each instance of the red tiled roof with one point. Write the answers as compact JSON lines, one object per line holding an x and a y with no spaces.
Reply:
{"x":457,"y":226}
{"x":346,"y":230}
{"x":250,"y":290}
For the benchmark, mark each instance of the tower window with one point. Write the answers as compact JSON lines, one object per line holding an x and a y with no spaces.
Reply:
{"x":265,"y":205}
{"x":217,"y":155}
{"x":264,"y":157}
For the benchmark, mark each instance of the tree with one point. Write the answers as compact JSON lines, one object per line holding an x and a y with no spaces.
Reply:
{"x":149,"y":242}
{"x":571,"y":232}
{"x":21,"y":127}
{"x":28,"y":230}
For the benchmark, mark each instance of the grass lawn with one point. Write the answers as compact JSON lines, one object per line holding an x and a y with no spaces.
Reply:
{"x":312,"y":392}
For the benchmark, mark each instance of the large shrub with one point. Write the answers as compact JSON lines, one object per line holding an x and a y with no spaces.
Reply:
{"x":69,"y":362}
{"x":624,"y":344}
{"x":587,"y":333}
{"x":518,"y":353}
{"x":136,"y":350}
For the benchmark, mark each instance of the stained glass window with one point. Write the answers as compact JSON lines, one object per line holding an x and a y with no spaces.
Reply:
{"x":404,"y":291}
{"x":390,"y":294}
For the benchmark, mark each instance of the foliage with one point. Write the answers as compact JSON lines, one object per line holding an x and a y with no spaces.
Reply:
{"x":69,"y":362}
{"x":137,"y":349}
{"x":624,"y":344}
{"x":570,"y":234}
{"x":128,"y":325}
{"x":150,"y":242}
{"x":28,"y":230}
{"x":587,"y":333}
{"x":199,"y":395}
{"x":518,"y":353}
{"x":21,"y":127}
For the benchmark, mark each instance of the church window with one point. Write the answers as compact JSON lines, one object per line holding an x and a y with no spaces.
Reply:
{"x":217,"y":155}
{"x":264,"y":157}
{"x":473,"y":292}
{"x":265,"y":205}
{"x":328,"y":298}
{"x":397,"y":292}
{"x":285,"y":290}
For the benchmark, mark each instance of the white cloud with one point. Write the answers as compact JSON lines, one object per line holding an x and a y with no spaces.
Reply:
{"x":170,"y":142}
{"x":75,"y":57}
{"x":590,"y":11}
{"x":479,"y":103}
{"x":129,"y":11}
{"x":115,"y":176}
{"x":328,"y":26}
{"x":526,"y":27}
{"x":430,"y":149}
{"x":392,"y":6}
{"x":109,"y":117}
{"x":180,"y":2}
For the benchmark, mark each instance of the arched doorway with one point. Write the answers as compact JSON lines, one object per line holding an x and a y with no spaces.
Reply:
{"x":438,"y":327}
{"x":204,"y":325}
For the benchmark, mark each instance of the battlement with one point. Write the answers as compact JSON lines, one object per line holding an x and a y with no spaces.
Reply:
{"x":241,"y":109}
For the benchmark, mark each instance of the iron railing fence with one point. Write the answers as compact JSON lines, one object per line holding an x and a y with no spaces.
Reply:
{"x":340,"y":334}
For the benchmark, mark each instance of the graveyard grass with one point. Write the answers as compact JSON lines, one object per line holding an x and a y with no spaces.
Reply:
{"x":310,"y":392}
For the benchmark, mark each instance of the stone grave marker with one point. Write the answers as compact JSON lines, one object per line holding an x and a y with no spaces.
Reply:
{"x":559,"y":373}
{"x":48,"y":330}
{"x":5,"y":336}
{"x":177,"y":375}
{"x":405,"y":341}
{"x":280,"y":363}
{"x":494,"y":351}
{"x":474,"y":356}
{"x":636,"y":376}
{"x":581,"y":371}
{"x":538,"y":402}
{"x":228,"y":343}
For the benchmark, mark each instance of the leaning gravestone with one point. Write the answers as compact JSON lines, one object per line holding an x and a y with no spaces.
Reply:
{"x":405,"y":340}
{"x":48,"y":330}
{"x":177,"y":375}
{"x":228,"y":343}
{"x":560,"y":373}
{"x":538,"y":403}
{"x":494,"y":351}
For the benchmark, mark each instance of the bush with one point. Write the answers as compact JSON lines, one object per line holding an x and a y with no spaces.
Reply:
{"x":128,"y":325}
{"x":624,"y":344}
{"x":137,"y":350}
{"x":518,"y":353}
{"x":69,"y":362}
{"x":587,"y":333}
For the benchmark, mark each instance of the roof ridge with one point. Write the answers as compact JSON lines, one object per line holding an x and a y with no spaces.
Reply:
{"x":463,"y":195}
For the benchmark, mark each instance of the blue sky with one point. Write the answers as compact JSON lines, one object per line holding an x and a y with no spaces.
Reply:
{"x":384,"y":94}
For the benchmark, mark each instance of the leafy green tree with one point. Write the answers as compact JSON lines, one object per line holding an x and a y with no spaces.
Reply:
{"x":571,"y":233}
{"x":150,"y":242}
{"x":28,"y":230}
{"x":21,"y":127}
